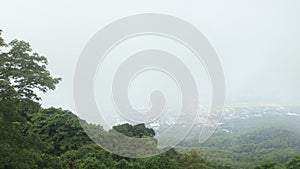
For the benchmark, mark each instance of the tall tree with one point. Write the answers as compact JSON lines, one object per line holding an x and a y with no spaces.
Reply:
{"x":22,"y":71}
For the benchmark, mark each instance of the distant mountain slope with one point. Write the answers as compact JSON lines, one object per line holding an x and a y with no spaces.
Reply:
{"x":261,"y":138}
{"x":245,"y":149}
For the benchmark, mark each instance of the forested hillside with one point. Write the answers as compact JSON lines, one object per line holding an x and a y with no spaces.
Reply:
{"x":53,"y":138}
{"x":33,"y":137}
{"x":248,"y":148}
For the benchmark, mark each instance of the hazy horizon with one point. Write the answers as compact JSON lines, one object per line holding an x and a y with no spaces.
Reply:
{"x":257,"y":42}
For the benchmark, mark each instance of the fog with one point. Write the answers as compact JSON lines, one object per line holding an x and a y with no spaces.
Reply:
{"x":256,"y":41}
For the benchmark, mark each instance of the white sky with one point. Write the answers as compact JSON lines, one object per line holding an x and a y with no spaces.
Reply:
{"x":257,"y":41}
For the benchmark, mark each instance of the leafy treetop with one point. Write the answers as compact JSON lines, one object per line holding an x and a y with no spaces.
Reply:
{"x":23,"y":71}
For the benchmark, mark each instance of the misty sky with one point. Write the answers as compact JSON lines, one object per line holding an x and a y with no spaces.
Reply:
{"x":257,"y":41}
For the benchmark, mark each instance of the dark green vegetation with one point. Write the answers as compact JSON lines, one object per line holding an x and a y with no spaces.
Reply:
{"x":34,"y":137}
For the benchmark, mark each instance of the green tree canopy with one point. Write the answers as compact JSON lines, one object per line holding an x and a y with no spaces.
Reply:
{"x":138,"y":130}
{"x":293,"y":163}
{"x":23,"y":71}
